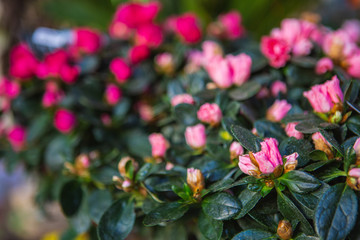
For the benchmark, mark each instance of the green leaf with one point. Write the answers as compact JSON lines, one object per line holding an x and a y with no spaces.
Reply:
{"x":349,"y":153}
{"x":210,"y":228}
{"x":38,"y":127}
{"x":71,"y":196}
{"x":301,"y":146}
{"x":186,"y":114}
{"x":167,"y":212}
{"x":354,"y":124}
{"x":221,"y":206}
{"x":318,"y":155}
{"x":309,"y":201}
{"x":336,"y":213}
{"x":57,"y":152}
{"x":254,"y":234}
{"x":304,"y":237}
{"x":267,"y":129}
{"x":300,"y":182}
{"x":245,"y":91}
{"x":221,"y":185}
{"x":248,"y":201}
{"x":289,"y":210}
{"x":143,"y":172}
{"x":117,"y":221}
{"x":332,"y":141}
{"x":98,"y":202}
{"x":246,"y":138}
{"x":315,"y":166}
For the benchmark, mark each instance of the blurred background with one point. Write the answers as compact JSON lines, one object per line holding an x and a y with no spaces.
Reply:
{"x":20,"y":217}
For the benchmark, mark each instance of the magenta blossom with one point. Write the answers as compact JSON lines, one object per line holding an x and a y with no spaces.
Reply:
{"x":17,"y":137}
{"x":276,"y":50}
{"x":138,"y":53}
{"x":113,"y":94}
{"x":23,"y":63}
{"x":86,"y":40}
{"x":231,"y":22}
{"x":324,"y":65}
{"x":188,"y":28}
{"x":120,"y":69}
{"x":64,"y":120}
{"x":236,"y":150}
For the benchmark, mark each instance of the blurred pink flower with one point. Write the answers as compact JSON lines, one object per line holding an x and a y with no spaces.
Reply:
{"x":113,"y":94}
{"x":188,"y":28}
{"x":182,"y":98}
{"x":210,"y":113}
{"x":159,"y":145}
{"x":196,"y":136}
{"x":278,"y":87}
{"x":17,"y":137}
{"x":120,"y":69}
{"x":292,"y":132}
{"x":138,"y":53}
{"x":324,"y":65}
{"x":64,"y":120}
{"x":278,"y":110}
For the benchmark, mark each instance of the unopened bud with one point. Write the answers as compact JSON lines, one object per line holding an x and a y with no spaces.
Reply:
{"x":284,"y":230}
{"x":82,"y":162}
{"x":127,"y":185}
{"x":322,"y":144}
{"x":291,"y":162}
{"x":122,"y":165}
{"x":196,"y":181}
{"x":353,"y":179}
{"x":336,"y":117}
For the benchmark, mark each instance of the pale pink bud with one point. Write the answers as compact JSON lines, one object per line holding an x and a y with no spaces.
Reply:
{"x":211,"y":49}
{"x":219,"y":71}
{"x":195,"y":61}
{"x":64,"y":120}
{"x":82,"y":161}
{"x":236,"y":150}
{"x":278,"y":87}
{"x":352,"y":28}
{"x":353,"y":63}
{"x":165,"y":62}
{"x":353,"y":179}
{"x":292,"y":132}
{"x":354,"y":172}
{"x":276,"y":50}
{"x":169,"y":166}
{"x":182,"y":98}
{"x":324,"y":65}
{"x":291,"y":162}
{"x":195,"y":180}
{"x":278,"y":110}
{"x":334,"y":90}
{"x":17,"y":137}
{"x":247,"y":166}
{"x":120,"y":69}
{"x":126,"y":184}
{"x":210,"y":113}
{"x":113,"y":94}
{"x":357,"y":146}
{"x":196,"y":136}
{"x":240,"y":67}
{"x":146,"y":111}
{"x":322,"y":144}
{"x":159,"y":145}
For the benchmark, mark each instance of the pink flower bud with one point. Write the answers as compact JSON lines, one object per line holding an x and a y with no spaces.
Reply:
{"x":278,"y":87}
{"x":324,"y":65}
{"x":120,"y":69}
{"x":276,"y":50}
{"x":52,"y":98}
{"x":210,"y":49}
{"x":149,"y":35}
{"x":113,"y":94}
{"x":263,"y":93}
{"x":354,"y":172}
{"x":353,"y":179}
{"x":352,"y":28}
{"x":195,"y":61}
{"x":126,"y":184}
{"x":291,"y":162}
{"x":322,"y":144}
{"x":338,"y":45}
{"x":23,"y":63}
{"x":323,"y":96}
{"x":69,"y":74}
{"x":278,"y":110}
{"x":353,"y":65}
{"x":195,"y":180}
{"x":106,"y":119}
{"x":292,"y":132}
{"x":357,"y":146}
{"x":196,"y":136}
{"x":219,"y":71}
{"x":165,"y":62}
{"x":182,"y":98}
{"x":210,"y":113}
{"x":9,"y":88}
{"x":169,"y":166}
{"x":240,"y":67}
{"x":236,"y":150}
{"x":139,"y":53}
{"x":52,"y":64}
{"x":159,"y":145}
{"x":86,"y":40}
{"x":231,"y":23}
{"x":64,"y":120}
{"x":146,"y":111}
{"x":17,"y":137}
{"x":82,"y":162}
{"x":187,"y":27}
{"x":247,"y":166}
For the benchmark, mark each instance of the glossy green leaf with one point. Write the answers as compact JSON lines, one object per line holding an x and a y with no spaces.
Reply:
{"x":254,"y":234}
{"x":186,"y":114}
{"x":336,"y":213}
{"x":318,"y":155}
{"x":245,"y":91}
{"x":300,"y":182}
{"x":289,"y":210}
{"x":98,"y":202}
{"x":221,"y":206}
{"x":246,"y":138}
{"x":71,"y":197}
{"x":301,"y":146}
{"x":117,"y":221}
{"x":57,"y":152}
{"x":167,"y":212}
{"x":332,"y":141}
{"x":248,"y":201}
{"x":210,"y":228}
{"x":267,"y":129}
